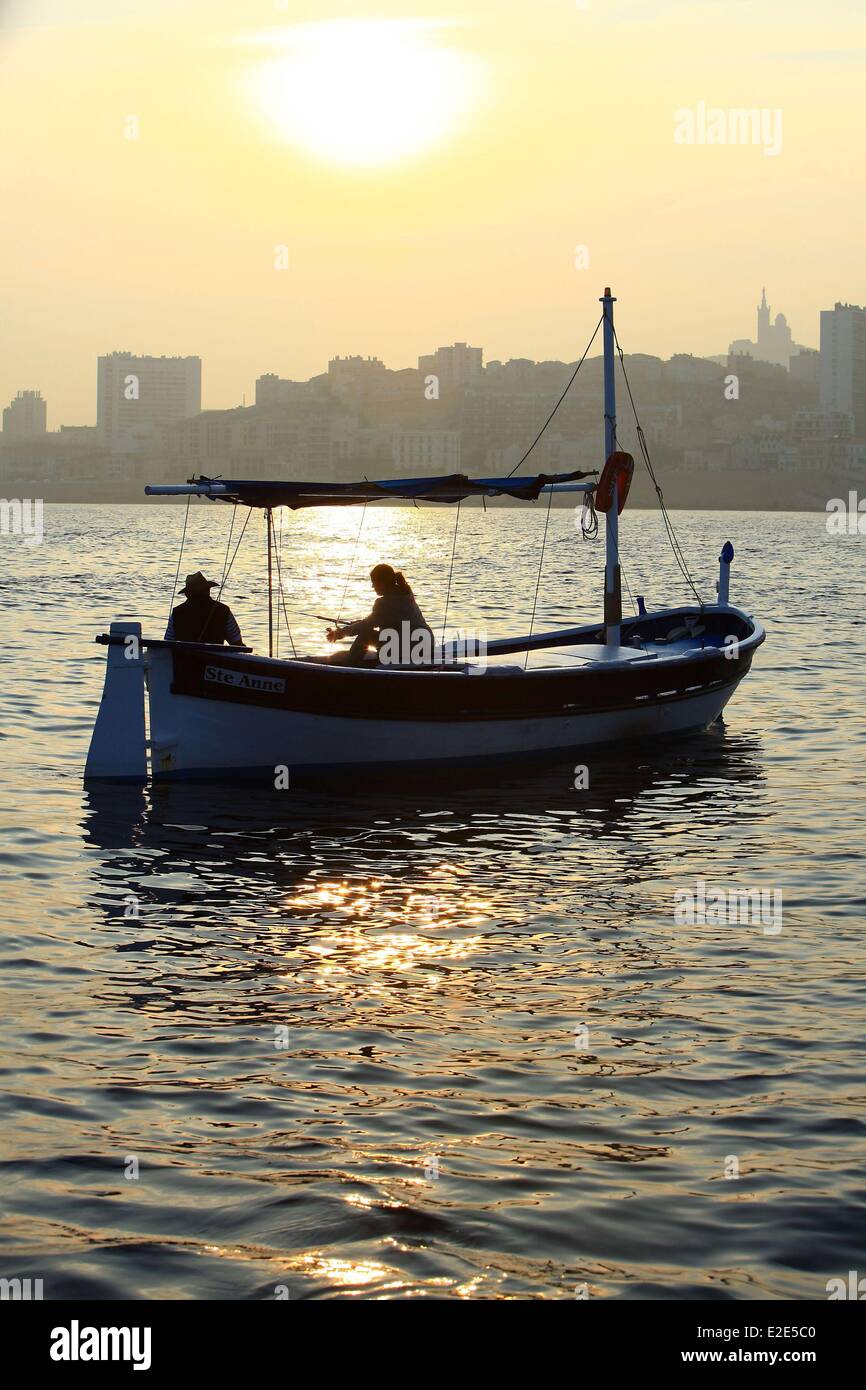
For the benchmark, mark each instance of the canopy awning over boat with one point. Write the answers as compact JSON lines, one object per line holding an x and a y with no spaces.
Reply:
{"x":453,"y":487}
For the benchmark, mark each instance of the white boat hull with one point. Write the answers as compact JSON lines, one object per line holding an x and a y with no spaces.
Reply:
{"x":215,"y":712}
{"x":195,"y":738}
{"x":307,"y":743}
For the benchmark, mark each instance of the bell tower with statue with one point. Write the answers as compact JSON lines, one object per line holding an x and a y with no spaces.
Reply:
{"x":764,"y":334}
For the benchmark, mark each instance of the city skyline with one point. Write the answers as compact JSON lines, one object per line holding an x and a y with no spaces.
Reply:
{"x":741,"y":419}
{"x":169,"y":196}
{"x":422,"y":362}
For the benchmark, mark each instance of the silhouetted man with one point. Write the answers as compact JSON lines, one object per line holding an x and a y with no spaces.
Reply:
{"x":201,"y":619}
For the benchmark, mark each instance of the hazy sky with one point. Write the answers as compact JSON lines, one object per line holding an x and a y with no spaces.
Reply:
{"x":431,"y":171}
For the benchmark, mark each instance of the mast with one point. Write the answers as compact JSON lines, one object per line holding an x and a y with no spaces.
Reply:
{"x":269,"y":520}
{"x":612,"y":583}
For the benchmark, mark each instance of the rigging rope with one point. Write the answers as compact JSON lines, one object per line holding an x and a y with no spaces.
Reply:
{"x":351,"y":563}
{"x":638,"y":641}
{"x":672,"y":537}
{"x":627,"y":585}
{"x":588,"y":518}
{"x":236,"y":549}
{"x":450,"y":573}
{"x":226,"y":572}
{"x":179,"y":558}
{"x":538,"y":576}
{"x":520,"y":462}
{"x":226,"y":558}
{"x":277,"y":544}
{"x":277,"y":552}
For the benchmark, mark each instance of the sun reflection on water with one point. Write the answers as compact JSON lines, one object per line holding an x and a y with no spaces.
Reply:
{"x":366,"y":927}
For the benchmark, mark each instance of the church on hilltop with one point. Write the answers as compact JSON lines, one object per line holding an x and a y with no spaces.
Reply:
{"x":774,"y":344}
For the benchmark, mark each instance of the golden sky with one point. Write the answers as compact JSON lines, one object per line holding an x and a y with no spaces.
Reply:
{"x":431,"y":172}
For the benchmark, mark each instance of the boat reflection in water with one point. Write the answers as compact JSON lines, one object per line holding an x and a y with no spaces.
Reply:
{"x":277,"y":870}
{"x":314,"y":1004}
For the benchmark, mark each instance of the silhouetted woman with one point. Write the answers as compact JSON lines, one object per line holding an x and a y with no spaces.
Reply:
{"x":394,"y":606}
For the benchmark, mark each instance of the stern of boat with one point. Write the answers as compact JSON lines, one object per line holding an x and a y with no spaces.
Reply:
{"x":118,"y":744}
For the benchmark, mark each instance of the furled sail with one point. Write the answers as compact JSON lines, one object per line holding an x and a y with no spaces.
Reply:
{"x":452,"y":487}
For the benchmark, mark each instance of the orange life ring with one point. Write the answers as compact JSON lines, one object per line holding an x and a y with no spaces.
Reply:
{"x":617,"y":473}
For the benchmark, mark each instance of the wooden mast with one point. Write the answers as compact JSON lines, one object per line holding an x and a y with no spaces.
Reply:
{"x":269,"y":519}
{"x":612,"y":583}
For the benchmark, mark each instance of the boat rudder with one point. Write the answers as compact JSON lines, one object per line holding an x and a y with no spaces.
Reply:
{"x":118,"y":750}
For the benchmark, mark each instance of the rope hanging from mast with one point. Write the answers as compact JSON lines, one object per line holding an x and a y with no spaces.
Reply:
{"x":588,"y":518}
{"x":227,"y":567}
{"x":226,"y":558}
{"x":520,"y":462}
{"x":450,"y":574}
{"x":236,"y":549}
{"x":269,"y":523}
{"x":278,"y":549}
{"x":179,"y":558}
{"x":351,"y":564}
{"x":277,"y":544}
{"x":538,"y":576}
{"x":669,"y":526}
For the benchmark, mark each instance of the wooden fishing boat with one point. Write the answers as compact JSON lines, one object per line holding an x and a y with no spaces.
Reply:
{"x":222,"y":712}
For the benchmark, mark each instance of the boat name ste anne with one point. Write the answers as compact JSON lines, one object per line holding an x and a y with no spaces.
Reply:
{"x":244,"y":680}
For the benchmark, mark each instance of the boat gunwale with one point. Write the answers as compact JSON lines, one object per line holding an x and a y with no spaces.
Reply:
{"x":566,"y":637}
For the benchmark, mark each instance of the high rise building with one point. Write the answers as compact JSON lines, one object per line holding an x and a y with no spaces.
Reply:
{"x":454,"y":365}
{"x":843,"y":363}
{"x":805,"y":367}
{"x":425,"y":451}
{"x":352,"y":379}
{"x":137,"y":396}
{"x":26,"y":416}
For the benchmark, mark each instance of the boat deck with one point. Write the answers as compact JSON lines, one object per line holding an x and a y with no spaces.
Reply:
{"x":597,"y":653}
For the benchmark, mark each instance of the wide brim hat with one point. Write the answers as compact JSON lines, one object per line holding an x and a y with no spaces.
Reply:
{"x":197,"y":584}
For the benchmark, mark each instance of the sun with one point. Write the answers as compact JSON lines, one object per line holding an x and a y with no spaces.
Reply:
{"x":365,"y":94}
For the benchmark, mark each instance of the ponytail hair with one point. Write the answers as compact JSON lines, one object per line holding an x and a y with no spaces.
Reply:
{"x":394,"y":581}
